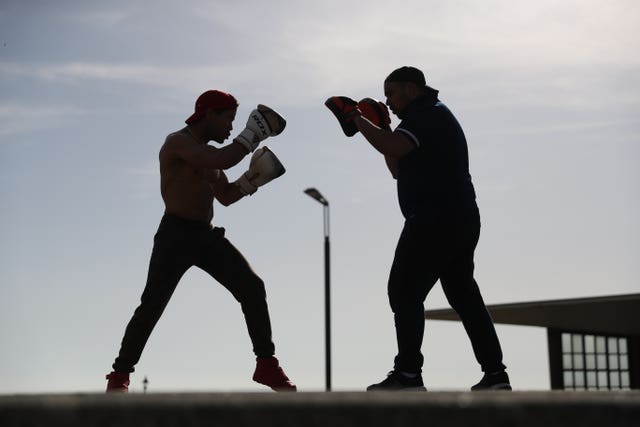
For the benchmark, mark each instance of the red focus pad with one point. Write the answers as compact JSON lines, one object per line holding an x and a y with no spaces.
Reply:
{"x":376,"y":112}
{"x":345,"y":109}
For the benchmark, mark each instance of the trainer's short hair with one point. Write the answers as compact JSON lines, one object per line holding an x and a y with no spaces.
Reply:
{"x":407,"y":75}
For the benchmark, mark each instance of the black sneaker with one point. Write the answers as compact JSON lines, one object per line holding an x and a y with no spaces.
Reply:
{"x":395,"y":381}
{"x":495,"y":381}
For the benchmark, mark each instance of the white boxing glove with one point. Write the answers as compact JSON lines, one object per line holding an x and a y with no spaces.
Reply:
{"x":264,"y":167}
{"x":262,"y":123}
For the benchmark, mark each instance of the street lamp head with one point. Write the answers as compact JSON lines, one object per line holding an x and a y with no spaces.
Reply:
{"x":315,"y":194}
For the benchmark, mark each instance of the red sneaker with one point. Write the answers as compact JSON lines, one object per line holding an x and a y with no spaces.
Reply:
{"x":269,"y":373}
{"x":118,"y":382}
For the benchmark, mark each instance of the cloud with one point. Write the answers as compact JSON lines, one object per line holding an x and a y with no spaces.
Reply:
{"x":495,"y":53}
{"x":78,"y":70}
{"x":19,"y":118}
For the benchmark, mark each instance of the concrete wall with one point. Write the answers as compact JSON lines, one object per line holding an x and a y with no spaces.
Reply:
{"x":341,"y":409}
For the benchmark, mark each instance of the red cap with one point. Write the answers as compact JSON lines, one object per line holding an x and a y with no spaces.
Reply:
{"x":213,"y":99}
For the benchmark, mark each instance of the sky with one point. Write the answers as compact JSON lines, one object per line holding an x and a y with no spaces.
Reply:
{"x":548,"y":94}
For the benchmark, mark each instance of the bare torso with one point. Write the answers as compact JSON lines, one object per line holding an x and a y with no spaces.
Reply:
{"x":187,"y":192}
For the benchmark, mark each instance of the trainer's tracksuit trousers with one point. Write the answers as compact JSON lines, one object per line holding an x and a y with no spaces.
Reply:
{"x":432,"y":248}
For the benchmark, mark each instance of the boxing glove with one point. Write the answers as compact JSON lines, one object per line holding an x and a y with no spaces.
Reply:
{"x":376,"y":112}
{"x":345,"y":109}
{"x":262,"y":123}
{"x":263,"y":168}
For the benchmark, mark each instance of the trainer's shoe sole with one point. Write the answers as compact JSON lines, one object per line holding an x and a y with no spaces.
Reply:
{"x":499,"y":386}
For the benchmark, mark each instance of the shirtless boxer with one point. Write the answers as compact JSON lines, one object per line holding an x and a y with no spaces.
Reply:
{"x":191,"y":177}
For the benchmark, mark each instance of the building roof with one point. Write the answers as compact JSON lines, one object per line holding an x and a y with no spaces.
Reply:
{"x":611,"y":314}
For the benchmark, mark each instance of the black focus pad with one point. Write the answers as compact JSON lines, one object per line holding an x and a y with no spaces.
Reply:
{"x":376,"y":112}
{"x":345,"y":109}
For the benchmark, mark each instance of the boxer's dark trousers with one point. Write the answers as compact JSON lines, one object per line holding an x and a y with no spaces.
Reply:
{"x":178,"y":245}
{"x":433,"y":247}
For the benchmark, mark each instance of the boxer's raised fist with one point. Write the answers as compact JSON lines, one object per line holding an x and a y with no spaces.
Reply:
{"x":263,"y":168}
{"x":262,"y":123}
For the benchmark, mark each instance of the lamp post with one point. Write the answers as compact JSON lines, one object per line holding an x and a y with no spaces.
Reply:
{"x":315,"y":194}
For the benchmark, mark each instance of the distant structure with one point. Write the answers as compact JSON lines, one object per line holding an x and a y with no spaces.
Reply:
{"x":594,"y":343}
{"x":145,"y":383}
